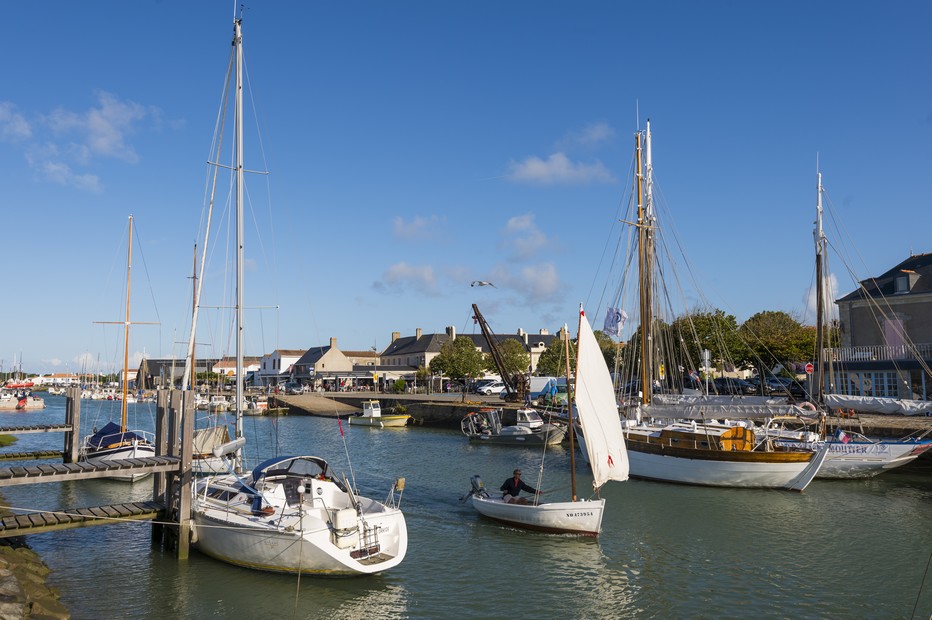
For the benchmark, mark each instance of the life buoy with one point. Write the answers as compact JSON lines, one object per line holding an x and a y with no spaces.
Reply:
{"x":807,"y":406}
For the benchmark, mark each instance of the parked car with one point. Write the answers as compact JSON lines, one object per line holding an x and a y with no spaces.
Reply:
{"x":492,"y":388}
{"x":794,"y":387}
{"x":481,"y":383}
{"x":730,"y":385}
{"x":293,"y":387}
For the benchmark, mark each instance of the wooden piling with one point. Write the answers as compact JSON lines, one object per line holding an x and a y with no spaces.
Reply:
{"x":72,"y":419}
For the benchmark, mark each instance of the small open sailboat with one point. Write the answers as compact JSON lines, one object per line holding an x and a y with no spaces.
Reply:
{"x":291,"y":514}
{"x":605,"y":446}
{"x":372,"y":416}
{"x":114,"y":441}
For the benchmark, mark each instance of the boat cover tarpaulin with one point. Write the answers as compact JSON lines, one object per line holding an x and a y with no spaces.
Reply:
{"x":711,"y":410}
{"x":875,"y":404}
{"x":110,"y":434}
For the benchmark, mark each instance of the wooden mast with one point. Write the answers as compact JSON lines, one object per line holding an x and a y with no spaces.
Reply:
{"x":643,"y":278}
{"x":129,"y":267}
{"x":569,"y":407}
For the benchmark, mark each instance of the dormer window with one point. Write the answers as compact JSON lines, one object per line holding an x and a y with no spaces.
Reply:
{"x":901,"y":285}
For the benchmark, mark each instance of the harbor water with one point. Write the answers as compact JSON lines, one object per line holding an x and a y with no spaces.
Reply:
{"x":841,"y":549}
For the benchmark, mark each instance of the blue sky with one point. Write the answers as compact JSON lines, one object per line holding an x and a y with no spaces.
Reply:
{"x":414,"y":147}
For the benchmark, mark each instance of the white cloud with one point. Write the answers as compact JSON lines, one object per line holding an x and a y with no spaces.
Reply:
{"x":590,"y":136}
{"x":558,"y":169}
{"x":535,"y":284}
{"x":417,"y":227}
{"x":522,"y":237}
{"x":13,"y":126}
{"x":831,"y":293}
{"x":102,"y":129}
{"x":402,"y":277}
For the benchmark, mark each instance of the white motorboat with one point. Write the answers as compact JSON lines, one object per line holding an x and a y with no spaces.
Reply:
{"x":510,"y":427}
{"x":372,"y":416}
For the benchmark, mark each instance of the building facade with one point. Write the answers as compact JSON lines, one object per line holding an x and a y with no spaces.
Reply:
{"x":886,"y":335}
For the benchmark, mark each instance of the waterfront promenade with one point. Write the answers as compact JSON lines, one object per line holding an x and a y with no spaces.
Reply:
{"x":447,"y":409}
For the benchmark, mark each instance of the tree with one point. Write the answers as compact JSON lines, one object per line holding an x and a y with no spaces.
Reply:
{"x":516,"y":358}
{"x":713,"y":331}
{"x":552,"y":361}
{"x":458,"y":359}
{"x":776,"y":337}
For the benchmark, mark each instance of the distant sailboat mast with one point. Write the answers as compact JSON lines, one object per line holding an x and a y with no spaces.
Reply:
{"x":129,"y":267}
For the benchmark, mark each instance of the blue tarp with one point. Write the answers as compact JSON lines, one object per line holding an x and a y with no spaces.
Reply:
{"x":110,"y":434}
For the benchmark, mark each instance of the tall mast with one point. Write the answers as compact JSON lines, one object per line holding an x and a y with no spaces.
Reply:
{"x":819,"y":236}
{"x":129,"y":267}
{"x":238,"y":151}
{"x":643,"y":277}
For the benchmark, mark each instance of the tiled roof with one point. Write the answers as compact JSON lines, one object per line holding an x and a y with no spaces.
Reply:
{"x":918,"y":266}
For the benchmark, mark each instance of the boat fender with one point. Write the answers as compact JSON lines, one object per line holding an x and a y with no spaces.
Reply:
{"x":193,"y":535}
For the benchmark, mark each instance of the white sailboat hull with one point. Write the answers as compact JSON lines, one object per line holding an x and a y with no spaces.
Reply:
{"x":858,"y":459}
{"x":721,"y":472}
{"x":307,"y":525}
{"x":263,"y":546}
{"x":136,"y":451}
{"x":582,"y":517}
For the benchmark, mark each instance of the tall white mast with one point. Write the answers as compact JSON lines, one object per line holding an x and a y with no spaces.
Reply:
{"x":238,"y":123}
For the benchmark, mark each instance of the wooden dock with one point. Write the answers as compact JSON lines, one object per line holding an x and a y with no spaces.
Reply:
{"x":39,"y":521}
{"x":82,"y":470}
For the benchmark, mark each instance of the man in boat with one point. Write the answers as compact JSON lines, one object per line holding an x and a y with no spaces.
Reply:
{"x":512,"y":489}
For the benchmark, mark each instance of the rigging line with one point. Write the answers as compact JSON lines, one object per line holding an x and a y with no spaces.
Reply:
{"x":145,"y":266}
{"x":921,"y":585}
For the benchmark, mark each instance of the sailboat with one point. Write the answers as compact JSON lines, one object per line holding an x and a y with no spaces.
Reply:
{"x":291,"y":514}
{"x":597,"y":414}
{"x":682,"y":442}
{"x":114,"y":441}
{"x":851,"y":454}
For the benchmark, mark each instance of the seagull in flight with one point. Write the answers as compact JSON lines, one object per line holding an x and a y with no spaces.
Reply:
{"x":482,"y":283}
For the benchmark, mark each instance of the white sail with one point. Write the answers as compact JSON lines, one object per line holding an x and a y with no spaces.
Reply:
{"x":597,"y":410}
{"x":876,"y":404}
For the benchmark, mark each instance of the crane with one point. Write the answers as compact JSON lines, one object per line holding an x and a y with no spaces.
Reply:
{"x":516,"y":385}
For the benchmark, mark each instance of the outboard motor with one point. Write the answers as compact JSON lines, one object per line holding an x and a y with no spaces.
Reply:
{"x":478,"y":488}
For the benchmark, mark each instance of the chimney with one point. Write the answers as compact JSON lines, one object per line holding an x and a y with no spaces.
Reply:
{"x":520,"y":332}
{"x":396,"y":336}
{"x":333,"y":343}
{"x":417,"y":333}
{"x":451,"y":332}
{"x":544,"y":332}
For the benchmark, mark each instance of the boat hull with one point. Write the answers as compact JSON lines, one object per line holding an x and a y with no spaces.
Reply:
{"x":582,"y":518}
{"x":521,"y":437}
{"x":138,"y":450}
{"x":385,"y":421}
{"x":258,"y":543}
{"x":859,"y":459}
{"x":741,"y":469}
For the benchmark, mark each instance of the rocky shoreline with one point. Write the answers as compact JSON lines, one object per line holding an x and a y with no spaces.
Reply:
{"x":24,"y":593}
